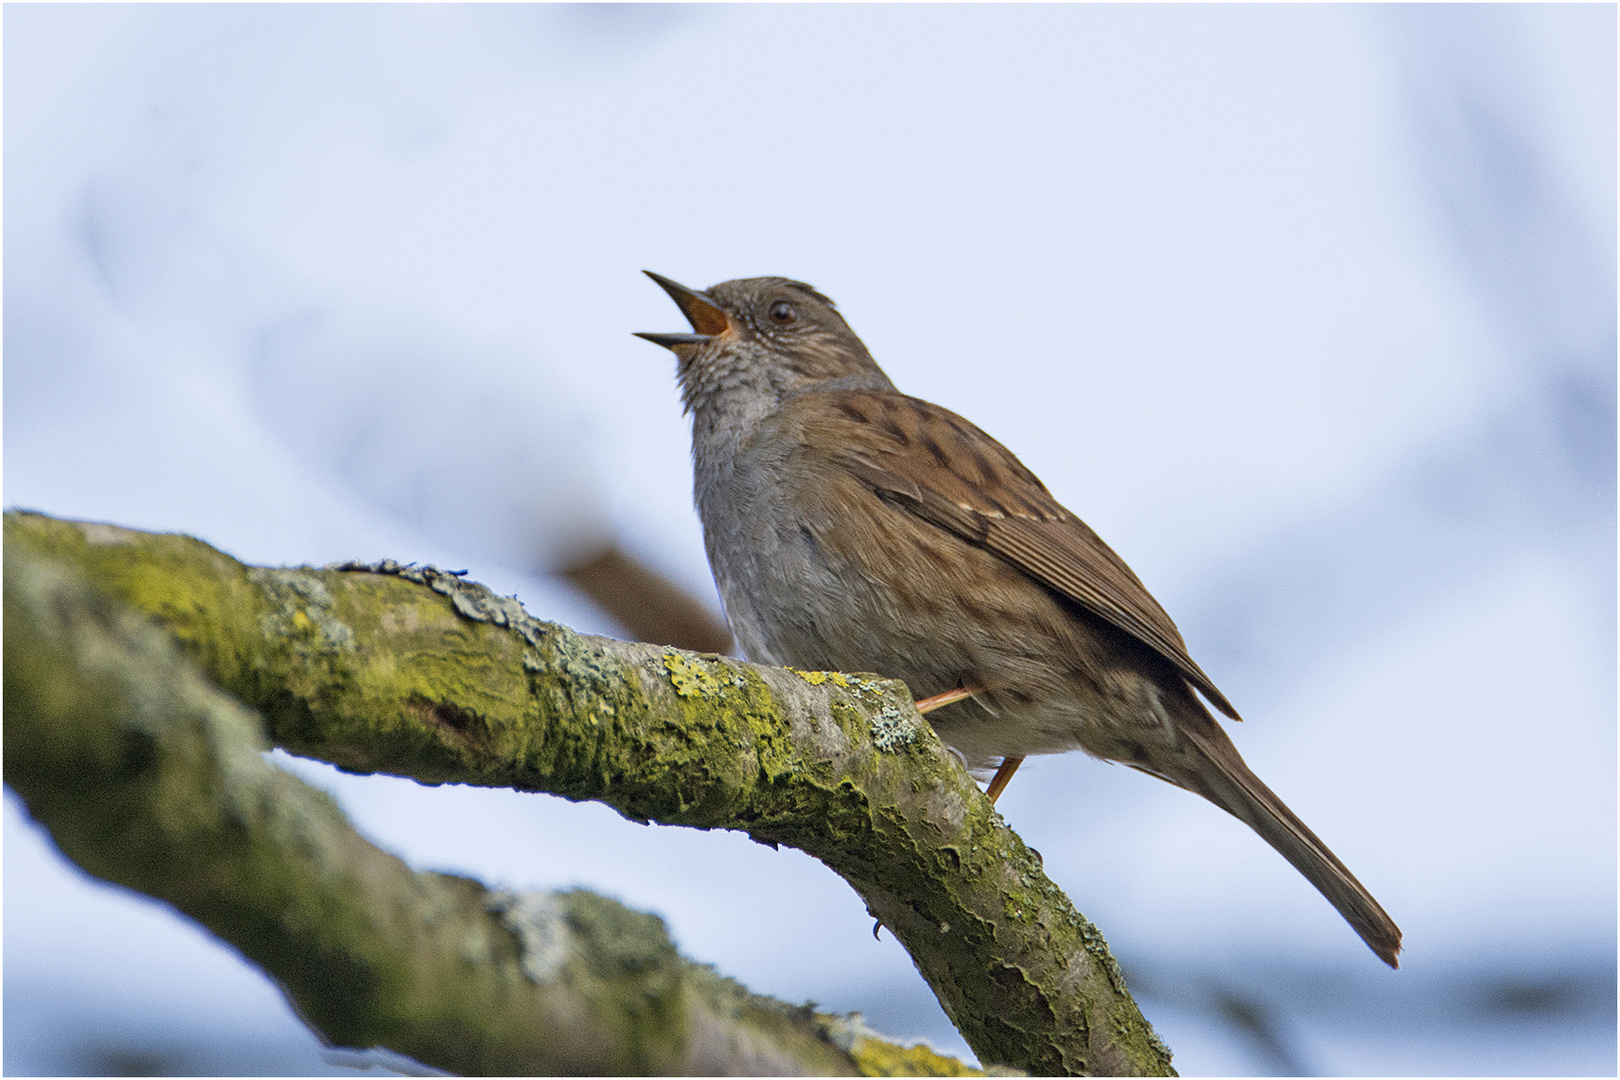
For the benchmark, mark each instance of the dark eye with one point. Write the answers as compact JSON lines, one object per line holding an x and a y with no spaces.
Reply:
{"x":784,"y":313}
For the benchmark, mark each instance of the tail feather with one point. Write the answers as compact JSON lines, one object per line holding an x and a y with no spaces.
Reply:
{"x":1229,"y":784}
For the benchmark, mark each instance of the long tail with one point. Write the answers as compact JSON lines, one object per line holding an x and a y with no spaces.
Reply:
{"x":1227,"y":782}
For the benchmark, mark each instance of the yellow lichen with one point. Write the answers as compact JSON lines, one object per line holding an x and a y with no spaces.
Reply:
{"x":690,"y":676}
{"x":817,"y":678}
{"x":875,"y":1057}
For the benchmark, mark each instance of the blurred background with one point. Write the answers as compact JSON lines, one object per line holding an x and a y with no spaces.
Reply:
{"x":1309,"y":311}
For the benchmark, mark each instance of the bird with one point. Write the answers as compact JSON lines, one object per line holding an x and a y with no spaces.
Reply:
{"x":851,"y":527}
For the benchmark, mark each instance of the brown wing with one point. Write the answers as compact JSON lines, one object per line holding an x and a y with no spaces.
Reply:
{"x":933,"y":463}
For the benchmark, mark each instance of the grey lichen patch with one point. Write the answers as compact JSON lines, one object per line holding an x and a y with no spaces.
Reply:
{"x":1158,"y":1045}
{"x":1097,"y":948}
{"x":575,"y":656}
{"x":301,"y":610}
{"x":540,"y":923}
{"x":97,"y":534}
{"x":892,"y":729}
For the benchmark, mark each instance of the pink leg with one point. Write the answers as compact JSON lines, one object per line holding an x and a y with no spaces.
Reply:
{"x":998,"y":782}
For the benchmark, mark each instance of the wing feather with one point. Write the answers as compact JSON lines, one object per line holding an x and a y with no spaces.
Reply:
{"x":964,"y":481}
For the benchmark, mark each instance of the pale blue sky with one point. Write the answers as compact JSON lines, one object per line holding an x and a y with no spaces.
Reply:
{"x":1308,"y":310}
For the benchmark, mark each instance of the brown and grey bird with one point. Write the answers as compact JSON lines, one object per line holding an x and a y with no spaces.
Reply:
{"x":853,"y":528}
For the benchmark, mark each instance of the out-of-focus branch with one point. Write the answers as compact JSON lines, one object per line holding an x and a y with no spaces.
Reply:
{"x":417,"y":673}
{"x":648,"y":605}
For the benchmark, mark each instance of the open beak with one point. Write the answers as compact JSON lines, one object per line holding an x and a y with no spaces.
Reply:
{"x":706,"y":318}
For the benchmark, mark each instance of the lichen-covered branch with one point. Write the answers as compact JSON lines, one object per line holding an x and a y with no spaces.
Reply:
{"x":417,"y":673}
{"x":148,"y":776}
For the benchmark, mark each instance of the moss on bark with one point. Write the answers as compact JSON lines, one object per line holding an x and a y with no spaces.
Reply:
{"x":414,"y":672}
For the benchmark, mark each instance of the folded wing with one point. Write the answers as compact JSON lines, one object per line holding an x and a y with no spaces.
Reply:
{"x":971,"y":485}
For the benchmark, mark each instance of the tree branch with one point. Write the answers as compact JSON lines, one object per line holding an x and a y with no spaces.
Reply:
{"x":418,"y":673}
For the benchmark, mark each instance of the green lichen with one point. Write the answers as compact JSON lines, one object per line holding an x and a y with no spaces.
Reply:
{"x":846,"y":714}
{"x":471,"y":600}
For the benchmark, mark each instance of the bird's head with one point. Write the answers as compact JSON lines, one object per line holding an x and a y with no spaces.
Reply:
{"x":767,"y":335}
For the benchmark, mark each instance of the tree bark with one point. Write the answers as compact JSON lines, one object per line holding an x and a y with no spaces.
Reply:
{"x":419,"y":673}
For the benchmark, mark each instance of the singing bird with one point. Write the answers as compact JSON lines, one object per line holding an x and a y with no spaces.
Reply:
{"x":853,"y":528}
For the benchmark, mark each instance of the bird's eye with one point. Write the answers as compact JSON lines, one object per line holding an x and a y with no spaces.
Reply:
{"x":784,"y":313}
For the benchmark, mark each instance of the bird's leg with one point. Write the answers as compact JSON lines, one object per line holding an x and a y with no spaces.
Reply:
{"x":998,"y":782}
{"x":939,"y":701}
{"x":1009,"y":765}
